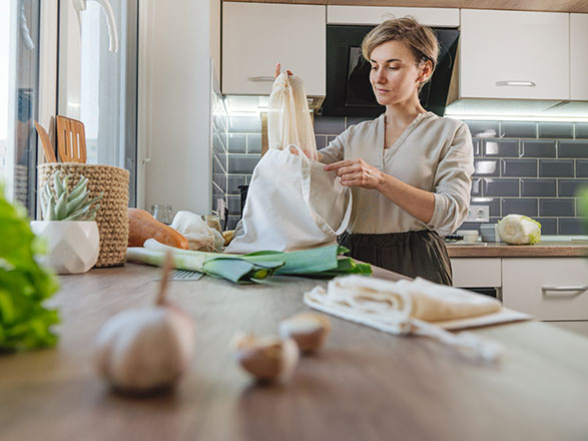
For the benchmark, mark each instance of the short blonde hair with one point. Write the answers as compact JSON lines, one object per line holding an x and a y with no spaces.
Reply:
{"x":420,"y":39}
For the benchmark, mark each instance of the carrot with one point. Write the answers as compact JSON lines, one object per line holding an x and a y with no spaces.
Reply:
{"x":143,"y":226}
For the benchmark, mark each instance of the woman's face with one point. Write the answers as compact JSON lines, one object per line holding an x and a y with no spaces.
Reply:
{"x":395,"y":75}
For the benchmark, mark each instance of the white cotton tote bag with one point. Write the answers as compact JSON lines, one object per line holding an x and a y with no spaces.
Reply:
{"x":292,"y":203}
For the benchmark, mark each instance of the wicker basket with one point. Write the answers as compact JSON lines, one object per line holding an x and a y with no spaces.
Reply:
{"x":112,"y":217}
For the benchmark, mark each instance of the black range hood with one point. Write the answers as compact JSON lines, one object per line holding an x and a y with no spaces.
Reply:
{"x":349,"y":92}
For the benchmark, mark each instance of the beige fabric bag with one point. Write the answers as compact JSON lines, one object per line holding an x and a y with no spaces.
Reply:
{"x":292,"y":203}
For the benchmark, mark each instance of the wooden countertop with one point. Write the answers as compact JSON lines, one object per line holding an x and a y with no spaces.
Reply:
{"x":542,"y":249}
{"x":365,"y":385}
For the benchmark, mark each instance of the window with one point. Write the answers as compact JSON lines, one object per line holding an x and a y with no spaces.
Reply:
{"x":93,"y":84}
{"x":19,"y":86}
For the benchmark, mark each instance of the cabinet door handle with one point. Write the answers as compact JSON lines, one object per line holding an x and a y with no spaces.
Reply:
{"x":516,"y":83}
{"x":261,"y":79}
{"x":563,"y":289}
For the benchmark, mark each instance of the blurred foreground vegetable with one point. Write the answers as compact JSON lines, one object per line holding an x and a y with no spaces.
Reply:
{"x":582,"y":195}
{"x":24,"y":285}
{"x":317,"y":262}
{"x":515,"y":229}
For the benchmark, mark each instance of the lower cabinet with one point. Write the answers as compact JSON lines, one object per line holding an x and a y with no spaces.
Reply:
{"x":553,"y":290}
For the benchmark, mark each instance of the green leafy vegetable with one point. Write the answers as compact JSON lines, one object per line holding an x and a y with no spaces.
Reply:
{"x":24,"y":322}
{"x":317,"y":262}
{"x":516,"y":229}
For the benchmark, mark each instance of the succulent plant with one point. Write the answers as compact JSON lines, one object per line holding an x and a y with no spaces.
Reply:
{"x":65,"y":205}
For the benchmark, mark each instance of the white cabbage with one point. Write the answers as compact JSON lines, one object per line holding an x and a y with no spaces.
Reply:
{"x":515,"y":229}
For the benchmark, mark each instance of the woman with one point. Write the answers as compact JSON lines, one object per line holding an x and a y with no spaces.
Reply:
{"x":409,"y":170}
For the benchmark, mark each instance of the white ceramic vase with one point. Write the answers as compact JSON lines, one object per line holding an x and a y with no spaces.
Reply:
{"x":73,"y":245}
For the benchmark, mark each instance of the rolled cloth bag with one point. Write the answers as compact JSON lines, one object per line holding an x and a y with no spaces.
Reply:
{"x":292,"y":203}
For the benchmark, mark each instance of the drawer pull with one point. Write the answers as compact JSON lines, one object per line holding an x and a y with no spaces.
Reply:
{"x":516,"y":83}
{"x":261,"y":79}
{"x":564,"y":289}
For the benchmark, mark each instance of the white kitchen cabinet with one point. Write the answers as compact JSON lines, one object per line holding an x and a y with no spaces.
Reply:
{"x":577,"y":327}
{"x":477,"y":273}
{"x":551,"y":289}
{"x":256,"y":36}
{"x":514,"y":55}
{"x":579,"y":56}
{"x":373,"y":15}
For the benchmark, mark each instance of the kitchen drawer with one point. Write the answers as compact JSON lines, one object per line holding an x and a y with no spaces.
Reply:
{"x":549,"y":289}
{"x":476,"y":273}
{"x":576,"y":327}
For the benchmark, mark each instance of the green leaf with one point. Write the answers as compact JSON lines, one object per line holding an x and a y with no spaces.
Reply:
{"x":24,"y":285}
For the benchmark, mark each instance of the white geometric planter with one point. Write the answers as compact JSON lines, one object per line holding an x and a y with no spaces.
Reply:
{"x":73,"y":245}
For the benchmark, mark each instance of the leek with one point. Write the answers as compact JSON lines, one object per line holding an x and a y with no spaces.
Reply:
{"x":316,"y":262}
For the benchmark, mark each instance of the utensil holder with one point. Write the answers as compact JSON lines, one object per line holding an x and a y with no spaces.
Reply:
{"x":112,"y":217}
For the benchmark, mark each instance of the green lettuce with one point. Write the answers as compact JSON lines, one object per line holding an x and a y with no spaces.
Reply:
{"x":24,"y":322}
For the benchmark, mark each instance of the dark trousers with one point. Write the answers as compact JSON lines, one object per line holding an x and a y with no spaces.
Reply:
{"x":413,"y":254}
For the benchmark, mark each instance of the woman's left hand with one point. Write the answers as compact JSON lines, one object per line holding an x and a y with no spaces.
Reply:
{"x":357,"y":173}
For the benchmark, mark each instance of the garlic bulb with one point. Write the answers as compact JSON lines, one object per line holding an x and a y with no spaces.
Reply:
{"x":142,"y":350}
{"x":267,"y":359}
{"x":307,"y":329}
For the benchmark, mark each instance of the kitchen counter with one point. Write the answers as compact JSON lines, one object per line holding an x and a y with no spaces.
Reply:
{"x":541,"y":249}
{"x":365,"y":385}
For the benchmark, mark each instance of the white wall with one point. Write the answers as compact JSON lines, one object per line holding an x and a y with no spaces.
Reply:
{"x":215,"y":35}
{"x":174,"y":104}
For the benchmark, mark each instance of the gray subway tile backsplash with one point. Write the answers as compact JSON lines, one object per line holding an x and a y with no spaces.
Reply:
{"x":538,"y":149}
{"x":487,"y":167}
{"x":235,"y":181}
{"x":548,"y":225}
{"x":477,"y":147}
{"x":519,"y":129}
{"x":538,"y":187}
{"x":526,"y":207}
{"x":321,"y":141}
{"x":519,"y":167}
{"x":237,"y":143}
{"x":573,"y":149}
{"x":569,"y":187}
{"x":234,"y":204}
{"x":553,"y":168}
{"x":244,"y":124}
{"x":476,"y":187}
{"x":242,"y":163}
{"x":515,"y":171}
{"x":581,"y":169}
{"x":573,"y":226}
{"x":556,"y":130}
{"x":254,"y":143}
{"x":500,"y":187}
{"x":557,"y":207}
{"x":329,"y":125}
{"x":484,"y":129}
{"x":504,"y":148}
{"x":581,"y":130}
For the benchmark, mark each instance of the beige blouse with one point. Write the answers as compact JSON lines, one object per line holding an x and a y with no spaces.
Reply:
{"x":434,"y":154}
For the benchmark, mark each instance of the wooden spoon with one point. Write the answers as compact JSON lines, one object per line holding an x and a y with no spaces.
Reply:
{"x":71,"y":140}
{"x":46,"y":142}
